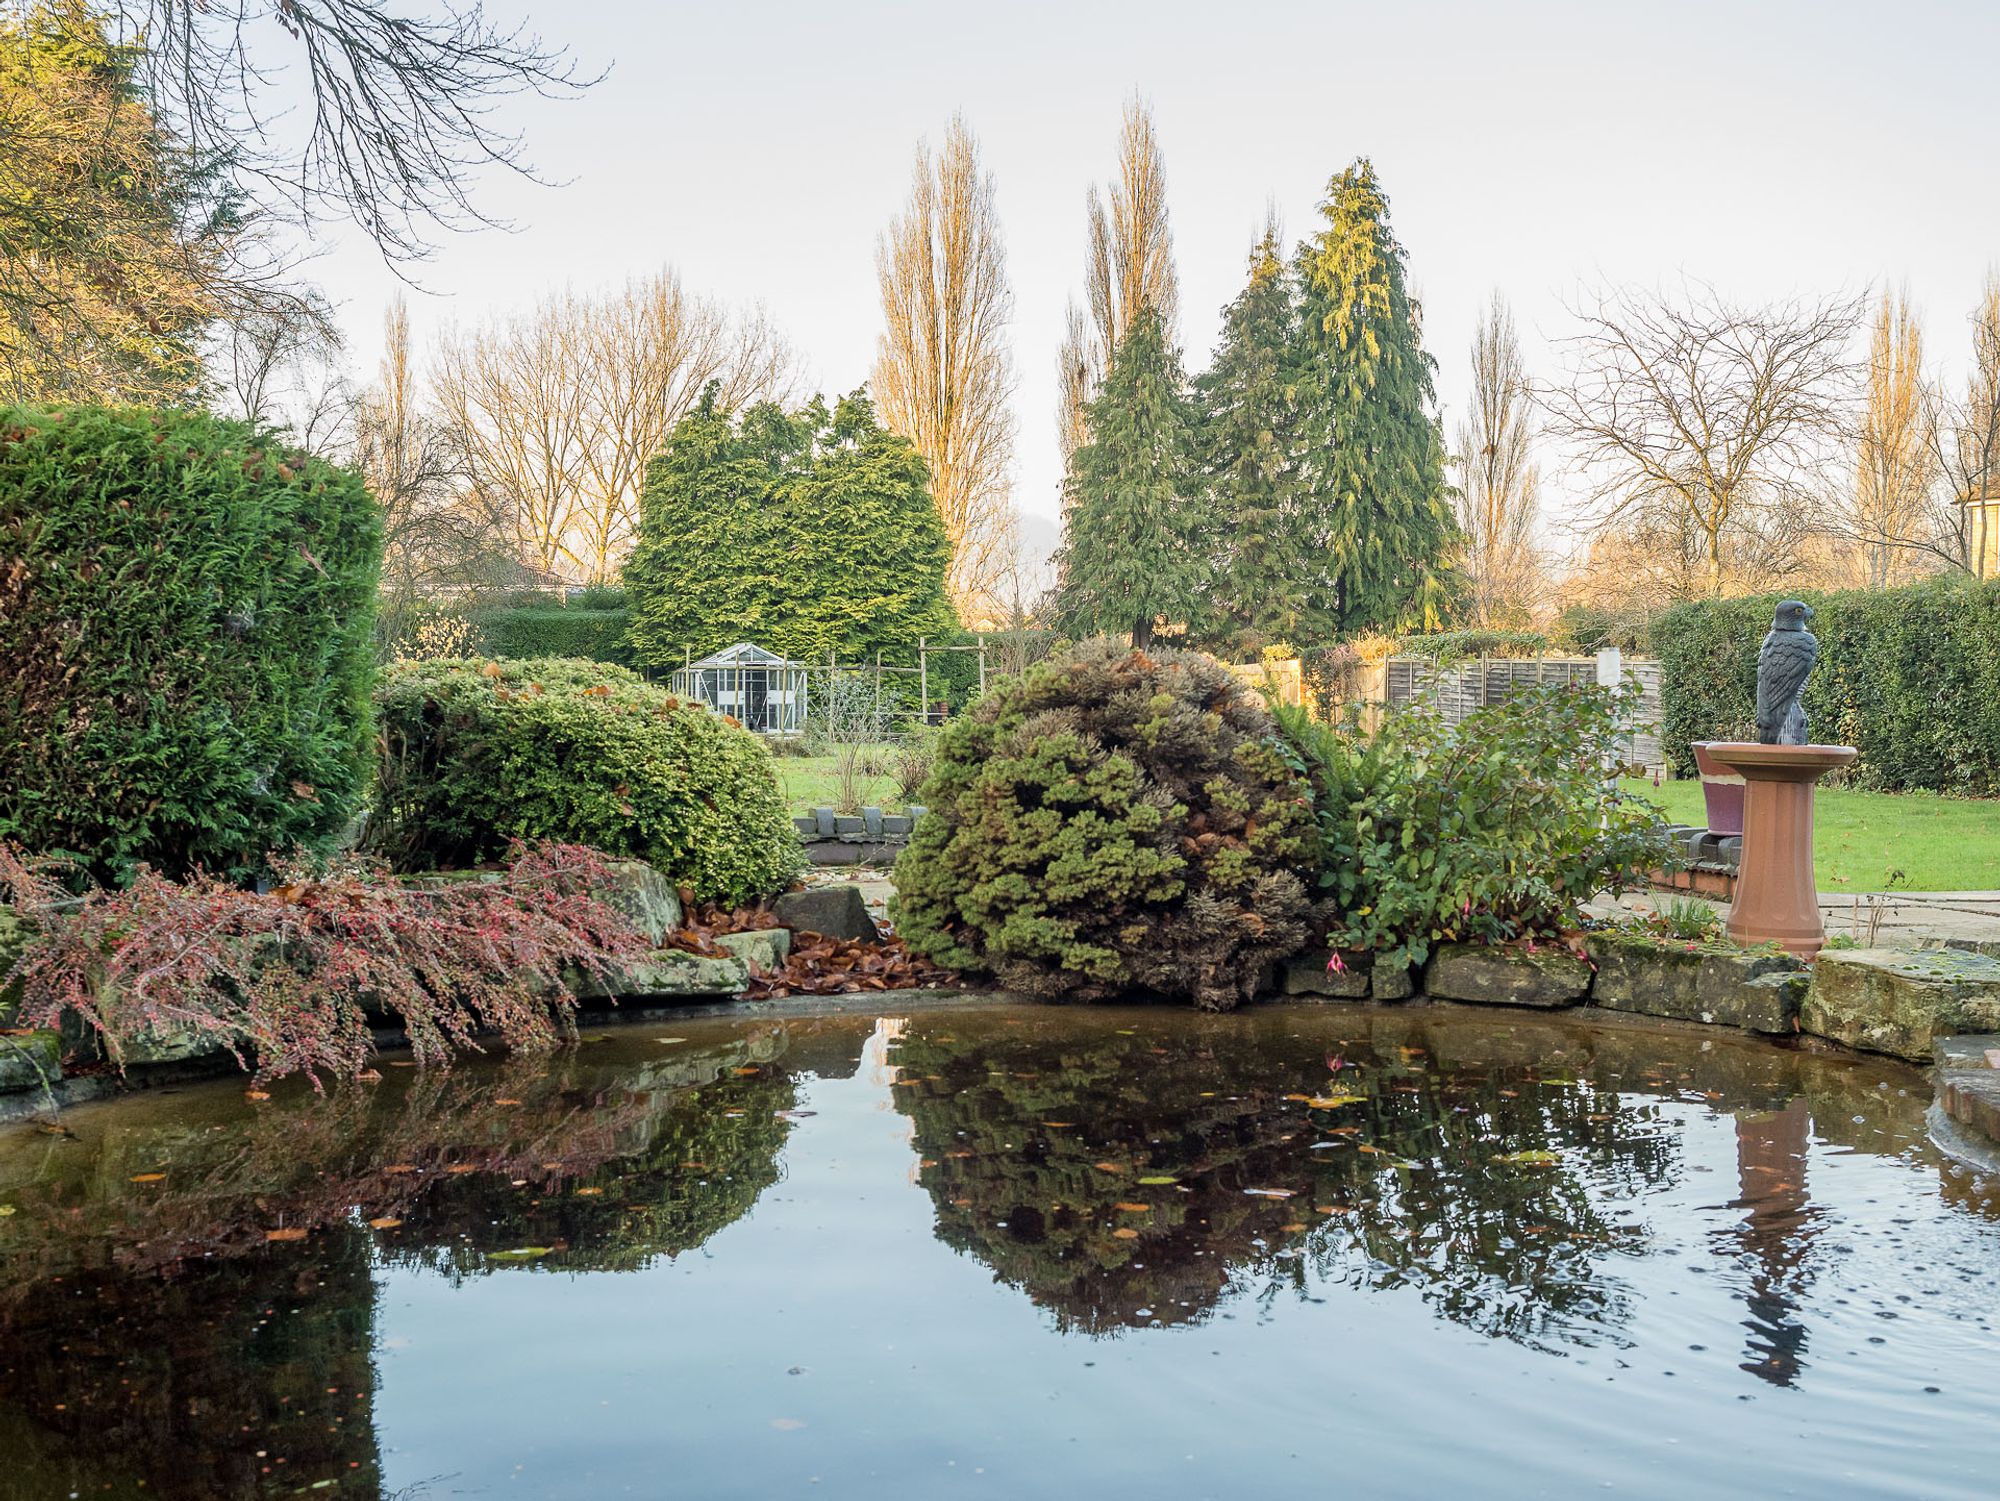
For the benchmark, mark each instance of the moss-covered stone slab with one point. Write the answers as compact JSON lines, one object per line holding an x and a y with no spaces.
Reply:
{"x":668,"y":974}
{"x":1309,"y":977}
{"x":763,"y":949}
{"x":29,"y":1059}
{"x":1544,"y":977}
{"x":1901,"y":1001}
{"x":1388,"y":981}
{"x":645,"y":896}
{"x":1723,"y":986}
{"x":1972,"y":1098}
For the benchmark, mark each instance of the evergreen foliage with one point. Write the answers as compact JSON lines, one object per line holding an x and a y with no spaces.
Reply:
{"x":1251,"y":459}
{"x":1907,"y":676}
{"x":805,"y":532}
{"x":475,"y":757}
{"x":1374,"y":507}
{"x":1496,"y":828}
{"x":1111,"y":822}
{"x":1134,"y":554}
{"x":113,"y":237}
{"x":547,"y":630}
{"x":186,"y":617}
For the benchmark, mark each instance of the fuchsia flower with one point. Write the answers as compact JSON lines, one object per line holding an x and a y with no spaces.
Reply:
{"x":1336,"y":965}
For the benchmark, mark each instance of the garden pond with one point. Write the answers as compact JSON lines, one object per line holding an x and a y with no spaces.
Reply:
{"x":976,"y":1250}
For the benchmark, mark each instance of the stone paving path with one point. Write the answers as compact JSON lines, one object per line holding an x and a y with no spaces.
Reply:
{"x":1888,"y":919}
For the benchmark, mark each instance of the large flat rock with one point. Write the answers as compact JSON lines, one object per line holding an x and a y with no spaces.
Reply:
{"x":1651,"y":977}
{"x":668,"y":974}
{"x":1311,"y":977}
{"x":1901,"y":1001}
{"x":831,"y":911}
{"x":1507,"y":977}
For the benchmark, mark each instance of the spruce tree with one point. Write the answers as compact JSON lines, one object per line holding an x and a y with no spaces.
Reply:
{"x":1375,"y":506}
{"x":1246,"y":402}
{"x":1133,"y":554}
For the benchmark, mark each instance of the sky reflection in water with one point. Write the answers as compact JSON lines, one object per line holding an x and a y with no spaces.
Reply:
{"x":999,"y":1252}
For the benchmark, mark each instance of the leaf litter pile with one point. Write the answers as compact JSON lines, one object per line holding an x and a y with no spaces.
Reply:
{"x":817,"y":964}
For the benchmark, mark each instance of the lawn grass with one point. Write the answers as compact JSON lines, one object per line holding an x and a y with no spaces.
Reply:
{"x":1861,"y":840}
{"x":814,"y":782}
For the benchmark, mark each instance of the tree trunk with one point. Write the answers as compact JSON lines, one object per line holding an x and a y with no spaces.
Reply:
{"x":1142,"y":635}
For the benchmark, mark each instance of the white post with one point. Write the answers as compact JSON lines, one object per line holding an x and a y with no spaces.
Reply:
{"x":923,"y":683}
{"x":1611,"y":673}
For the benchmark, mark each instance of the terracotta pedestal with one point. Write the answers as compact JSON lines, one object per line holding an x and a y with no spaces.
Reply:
{"x":1777,"y":900}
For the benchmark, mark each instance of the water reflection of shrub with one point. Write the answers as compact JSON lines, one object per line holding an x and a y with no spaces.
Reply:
{"x":1488,"y":1191}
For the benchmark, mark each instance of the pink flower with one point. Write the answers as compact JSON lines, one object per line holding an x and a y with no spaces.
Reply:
{"x":1336,"y":965}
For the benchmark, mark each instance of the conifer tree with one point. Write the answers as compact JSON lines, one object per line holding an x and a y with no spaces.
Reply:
{"x":1375,"y":509}
{"x":1249,"y":455}
{"x":1133,"y":555}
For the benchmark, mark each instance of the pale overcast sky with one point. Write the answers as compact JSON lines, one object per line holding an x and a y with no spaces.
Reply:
{"x":1769,"y":146}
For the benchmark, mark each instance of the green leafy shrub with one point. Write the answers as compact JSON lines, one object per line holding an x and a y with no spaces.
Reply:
{"x":1496,"y":828}
{"x":1470,"y":645}
{"x":546,"y":630}
{"x":1907,"y":676}
{"x":186,"y":617}
{"x":477,"y":755}
{"x":1111,"y":822}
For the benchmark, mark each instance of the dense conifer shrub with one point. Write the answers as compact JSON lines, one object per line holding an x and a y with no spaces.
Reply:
{"x":1907,"y":676}
{"x":186,"y":608}
{"x":1496,"y":828}
{"x":477,"y":755}
{"x":1112,"y":822}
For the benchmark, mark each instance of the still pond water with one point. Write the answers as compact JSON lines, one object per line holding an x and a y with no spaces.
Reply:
{"x":986,"y":1252}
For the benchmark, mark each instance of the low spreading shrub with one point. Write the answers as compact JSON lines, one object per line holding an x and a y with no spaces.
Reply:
{"x":1906,"y":676}
{"x":284,"y":976}
{"x":1448,"y":647}
{"x":1111,"y":822}
{"x":1493,"y":829}
{"x":186,"y":614}
{"x":477,"y":755}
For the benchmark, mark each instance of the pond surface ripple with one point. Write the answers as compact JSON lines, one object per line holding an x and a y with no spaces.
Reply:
{"x":993,"y":1252}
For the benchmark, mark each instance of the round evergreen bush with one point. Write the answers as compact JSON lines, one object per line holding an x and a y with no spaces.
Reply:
{"x":186,"y":607}
{"x":477,"y":754}
{"x":1112,"y":822}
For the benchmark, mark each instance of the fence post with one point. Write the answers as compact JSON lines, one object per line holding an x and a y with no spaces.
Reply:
{"x":923,"y":681}
{"x":982,"y":664}
{"x":1610,"y":673}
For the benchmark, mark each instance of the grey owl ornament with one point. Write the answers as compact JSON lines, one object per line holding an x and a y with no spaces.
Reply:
{"x":1784,"y":662}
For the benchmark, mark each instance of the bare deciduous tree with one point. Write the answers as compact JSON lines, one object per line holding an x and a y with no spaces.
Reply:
{"x":1965,"y":438}
{"x":379,"y":111}
{"x":1710,"y":409}
{"x":1498,"y":499}
{"x":1131,"y":265}
{"x":1895,"y":468}
{"x":944,"y":372}
{"x":558,"y":411}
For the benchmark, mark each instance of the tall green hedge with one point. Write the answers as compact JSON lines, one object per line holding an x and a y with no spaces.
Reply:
{"x":477,"y":754}
{"x":555,"y":631}
{"x":186,"y":608}
{"x":1909,"y":676}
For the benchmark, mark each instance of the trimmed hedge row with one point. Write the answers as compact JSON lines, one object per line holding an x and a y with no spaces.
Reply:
{"x":594,"y":635}
{"x":186,"y":614}
{"x":477,"y":754}
{"x":1909,"y":676}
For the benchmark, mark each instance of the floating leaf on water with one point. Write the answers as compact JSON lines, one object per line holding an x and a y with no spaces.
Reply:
{"x":290,"y":1233}
{"x":148,"y":1177}
{"x":588,"y":1192}
{"x":1270,"y":1193}
{"x":1333,"y":1101}
{"x":1133,"y":1208}
{"x":399,"y":1167}
{"x":1532,"y":1158}
{"x":1108,"y":1167}
{"x":256,"y":1094}
{"x":1292,"y":1229}
{"x":386,"y":1222}
{"x":665,"y":1040}
{"x":1059,"y":1125}
{"x":5,"y":1210}
{"x":1156,"y":1181}
{"x":521,"y":1253}
{"x":506,"y":1102}
{"x":1125,"y":1232}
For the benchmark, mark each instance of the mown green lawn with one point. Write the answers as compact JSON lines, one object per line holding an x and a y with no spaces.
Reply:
{"x":814,"y":782}
{"x":1862,"y":839}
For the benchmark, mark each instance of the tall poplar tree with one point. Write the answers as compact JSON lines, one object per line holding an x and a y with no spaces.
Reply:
{"x":1248,"y":419}
{"x":1133,"y":555}
{"x":1375,"y":509}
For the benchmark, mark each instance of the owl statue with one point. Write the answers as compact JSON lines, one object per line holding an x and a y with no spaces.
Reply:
{"x":1784,"y":662}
